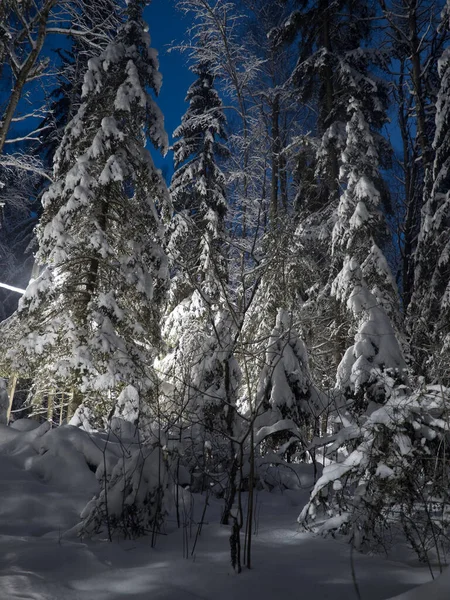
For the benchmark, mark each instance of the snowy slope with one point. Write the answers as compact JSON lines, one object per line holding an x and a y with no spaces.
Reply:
{"x":439,"y":589}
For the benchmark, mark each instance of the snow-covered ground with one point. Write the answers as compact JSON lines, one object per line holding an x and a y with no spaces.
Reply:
{"x":44,"y":485}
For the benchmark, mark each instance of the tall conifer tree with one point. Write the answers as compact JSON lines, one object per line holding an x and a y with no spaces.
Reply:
{"x":430,"y":305}
{"x":200,"y":372}
{"x":198,"y":184}
{"x":89,"y":322}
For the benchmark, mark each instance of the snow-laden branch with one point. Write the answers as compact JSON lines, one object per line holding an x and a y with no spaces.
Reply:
{"x":24,"y":163}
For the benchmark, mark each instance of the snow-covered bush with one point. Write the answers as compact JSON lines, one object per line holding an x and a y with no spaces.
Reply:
{"x":134,"y":496}
{"x":200,"y":383}
{"x":392,"y":474}
{"x":287,"y":402}
{"x":374,"y":363}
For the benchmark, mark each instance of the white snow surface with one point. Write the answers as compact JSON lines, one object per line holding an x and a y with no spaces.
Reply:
{"x":439,"y":589}
{"x":47,"y":478}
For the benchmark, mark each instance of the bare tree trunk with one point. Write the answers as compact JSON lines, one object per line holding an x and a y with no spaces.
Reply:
{"x":275,"y":158}
{"x":333,"y":182}
{"x":11,"y":391}
{"x":26,"y":69}
{"x":410,"y":196}
{"x":73,"y":404}
{"x":283,"y":183}
{"x":417,"y":41}
{"x":248,"y":556}
{"x":3,"y":36}
{"x":232,"y":487}
{"x":417,"y":83}
{"x":50,"y":404}
{"x":61,"y":409}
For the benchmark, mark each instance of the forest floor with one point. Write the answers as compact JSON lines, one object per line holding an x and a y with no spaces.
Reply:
{"x":38,"y":562}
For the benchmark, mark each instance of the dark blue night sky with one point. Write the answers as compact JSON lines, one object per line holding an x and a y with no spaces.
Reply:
{"x":167,"y":25}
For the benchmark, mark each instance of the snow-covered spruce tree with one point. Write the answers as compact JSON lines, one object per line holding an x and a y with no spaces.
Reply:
{"x":89,"y":323}
{"x":396,"y":477}
{"x":93,"y":27}
{"x":351,"y":495}
{"x":332,"y":66}
{"x":363,"y":281}
{"x":196,"y":244}
{"x":287,"y":402}
{"x":344,"y":151}
{"x":361,"y":228}
{"x":429,"y":318}
{"x":416,"y":42}
{"x":373,"y":364}
{"x":372,"y":370}
{"x":94,"y":24}
{"x":198,"y":185}
{"x":200,"y":372}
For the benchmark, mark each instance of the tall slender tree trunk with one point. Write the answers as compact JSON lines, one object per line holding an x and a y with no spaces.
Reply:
{"x":25,"y":71}
{"x":50,"y":405}
{"x":12,"y":384}
{"x":327,"y":75}
{"x":275,"y":158}
{"x":412,"y":216}
{"x":233,"y":449}
{"x":282,"y":166}
{"x":418,"y":88}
